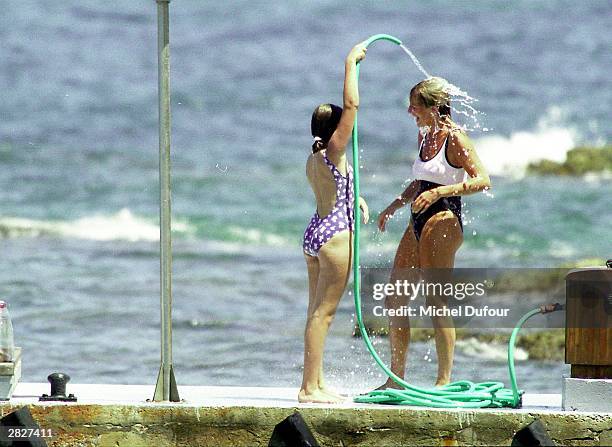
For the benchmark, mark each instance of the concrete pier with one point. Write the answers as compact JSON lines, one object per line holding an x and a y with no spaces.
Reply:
{"x":121,"y":416}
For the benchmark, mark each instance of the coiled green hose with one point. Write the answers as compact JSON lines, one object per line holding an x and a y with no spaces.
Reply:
{"x":459,"y":394}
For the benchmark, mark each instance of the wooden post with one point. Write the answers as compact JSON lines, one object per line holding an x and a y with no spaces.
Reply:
{"x":588,"y":326}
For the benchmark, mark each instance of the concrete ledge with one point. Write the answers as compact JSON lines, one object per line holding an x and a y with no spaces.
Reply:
{"x":587,"y":394}
{"x":119,"y":416}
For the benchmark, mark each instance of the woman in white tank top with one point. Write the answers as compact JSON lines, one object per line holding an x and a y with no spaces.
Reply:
{"x":445,"y":168}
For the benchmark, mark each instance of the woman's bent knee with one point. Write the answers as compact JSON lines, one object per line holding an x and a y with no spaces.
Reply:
{"x":407,"y":254}
{"x":322,"y":316}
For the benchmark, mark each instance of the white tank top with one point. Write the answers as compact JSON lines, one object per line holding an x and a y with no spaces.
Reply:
{"x":438,"y":169}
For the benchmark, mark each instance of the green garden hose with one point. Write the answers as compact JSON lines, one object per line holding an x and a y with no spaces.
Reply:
{"x":459,"y":394}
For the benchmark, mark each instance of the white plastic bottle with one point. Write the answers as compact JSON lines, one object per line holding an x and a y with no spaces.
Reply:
{"x":7,"y":345}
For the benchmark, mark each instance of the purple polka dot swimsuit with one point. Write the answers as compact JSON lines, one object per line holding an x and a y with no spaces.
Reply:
{"x":320,"y":230}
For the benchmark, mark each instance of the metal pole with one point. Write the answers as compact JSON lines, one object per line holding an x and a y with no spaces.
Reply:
{"x":166,"y":389}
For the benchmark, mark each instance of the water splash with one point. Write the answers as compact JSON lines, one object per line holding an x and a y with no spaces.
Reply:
{"x":424,"y":130}
{"x":458,"y":96}
{"x":461,"y":104}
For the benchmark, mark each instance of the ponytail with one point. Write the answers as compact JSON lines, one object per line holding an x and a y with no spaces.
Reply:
{"x":318,"y":145}
{"x":323,"y":124}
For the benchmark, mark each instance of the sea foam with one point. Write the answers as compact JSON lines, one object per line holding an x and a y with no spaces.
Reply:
{"x":473,"y":347}
{"x":120,"y":226}
{"x":509,"y":156}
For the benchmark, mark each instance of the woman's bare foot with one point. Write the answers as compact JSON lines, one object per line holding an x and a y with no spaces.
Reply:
{"x":329,"y":390}
{"x":389,"y":384}
{"x":319,"y":396}
{"x":332,"y":392}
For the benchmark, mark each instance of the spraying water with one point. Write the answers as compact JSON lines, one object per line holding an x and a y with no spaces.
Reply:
{"x":457,"y":95}
{"x":415,"y":60}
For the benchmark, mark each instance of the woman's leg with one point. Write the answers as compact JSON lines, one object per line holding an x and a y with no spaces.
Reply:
{"x":440,"y":240}
{"x":405,"y":267}
{"x":312,"y":264}
{"x":333,"y":274}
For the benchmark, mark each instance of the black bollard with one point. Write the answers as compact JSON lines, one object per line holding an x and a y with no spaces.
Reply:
{"x":20,"y":421}
{"x":58,"y":388}
{"x":533,"y":435}
{"x":292,"y":432}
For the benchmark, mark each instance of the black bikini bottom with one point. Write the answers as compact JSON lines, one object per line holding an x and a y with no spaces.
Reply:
{"x":452,"y":203}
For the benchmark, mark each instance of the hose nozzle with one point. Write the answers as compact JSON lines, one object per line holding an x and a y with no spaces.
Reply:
{"x":553,"y":307}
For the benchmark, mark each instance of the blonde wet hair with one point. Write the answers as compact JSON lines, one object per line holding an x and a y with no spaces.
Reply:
{"x":433,"y":92}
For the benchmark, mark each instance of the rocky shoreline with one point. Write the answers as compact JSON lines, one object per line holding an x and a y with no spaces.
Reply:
{"x":579,"y":161}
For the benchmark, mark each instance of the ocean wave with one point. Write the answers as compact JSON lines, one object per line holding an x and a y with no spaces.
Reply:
{"x":120,"y":226}
{"x":126,"y":226}
{"x":597,"y":177}
{"x":473,"y":347}
{"x":258,"y":237}
{"x":510,"y":156}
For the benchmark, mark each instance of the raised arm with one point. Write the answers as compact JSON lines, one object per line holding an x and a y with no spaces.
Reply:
{"x":342,"y":134}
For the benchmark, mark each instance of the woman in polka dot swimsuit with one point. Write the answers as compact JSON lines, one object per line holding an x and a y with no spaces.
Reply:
{"x":321,"y":230}
{"x":327,"y":239}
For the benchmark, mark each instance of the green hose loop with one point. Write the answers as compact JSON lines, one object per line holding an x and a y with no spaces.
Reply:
{"x":459,"y":394}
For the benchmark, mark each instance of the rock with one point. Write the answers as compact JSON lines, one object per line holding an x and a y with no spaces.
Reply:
{"x":579,"y":161}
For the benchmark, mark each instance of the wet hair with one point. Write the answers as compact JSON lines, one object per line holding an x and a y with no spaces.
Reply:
{"x":432,"y":92}
{"x":325,"y":119}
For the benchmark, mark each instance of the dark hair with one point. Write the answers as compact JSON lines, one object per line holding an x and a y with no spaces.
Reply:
{"x":432,"y":92}
{"x":325,"y":119}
